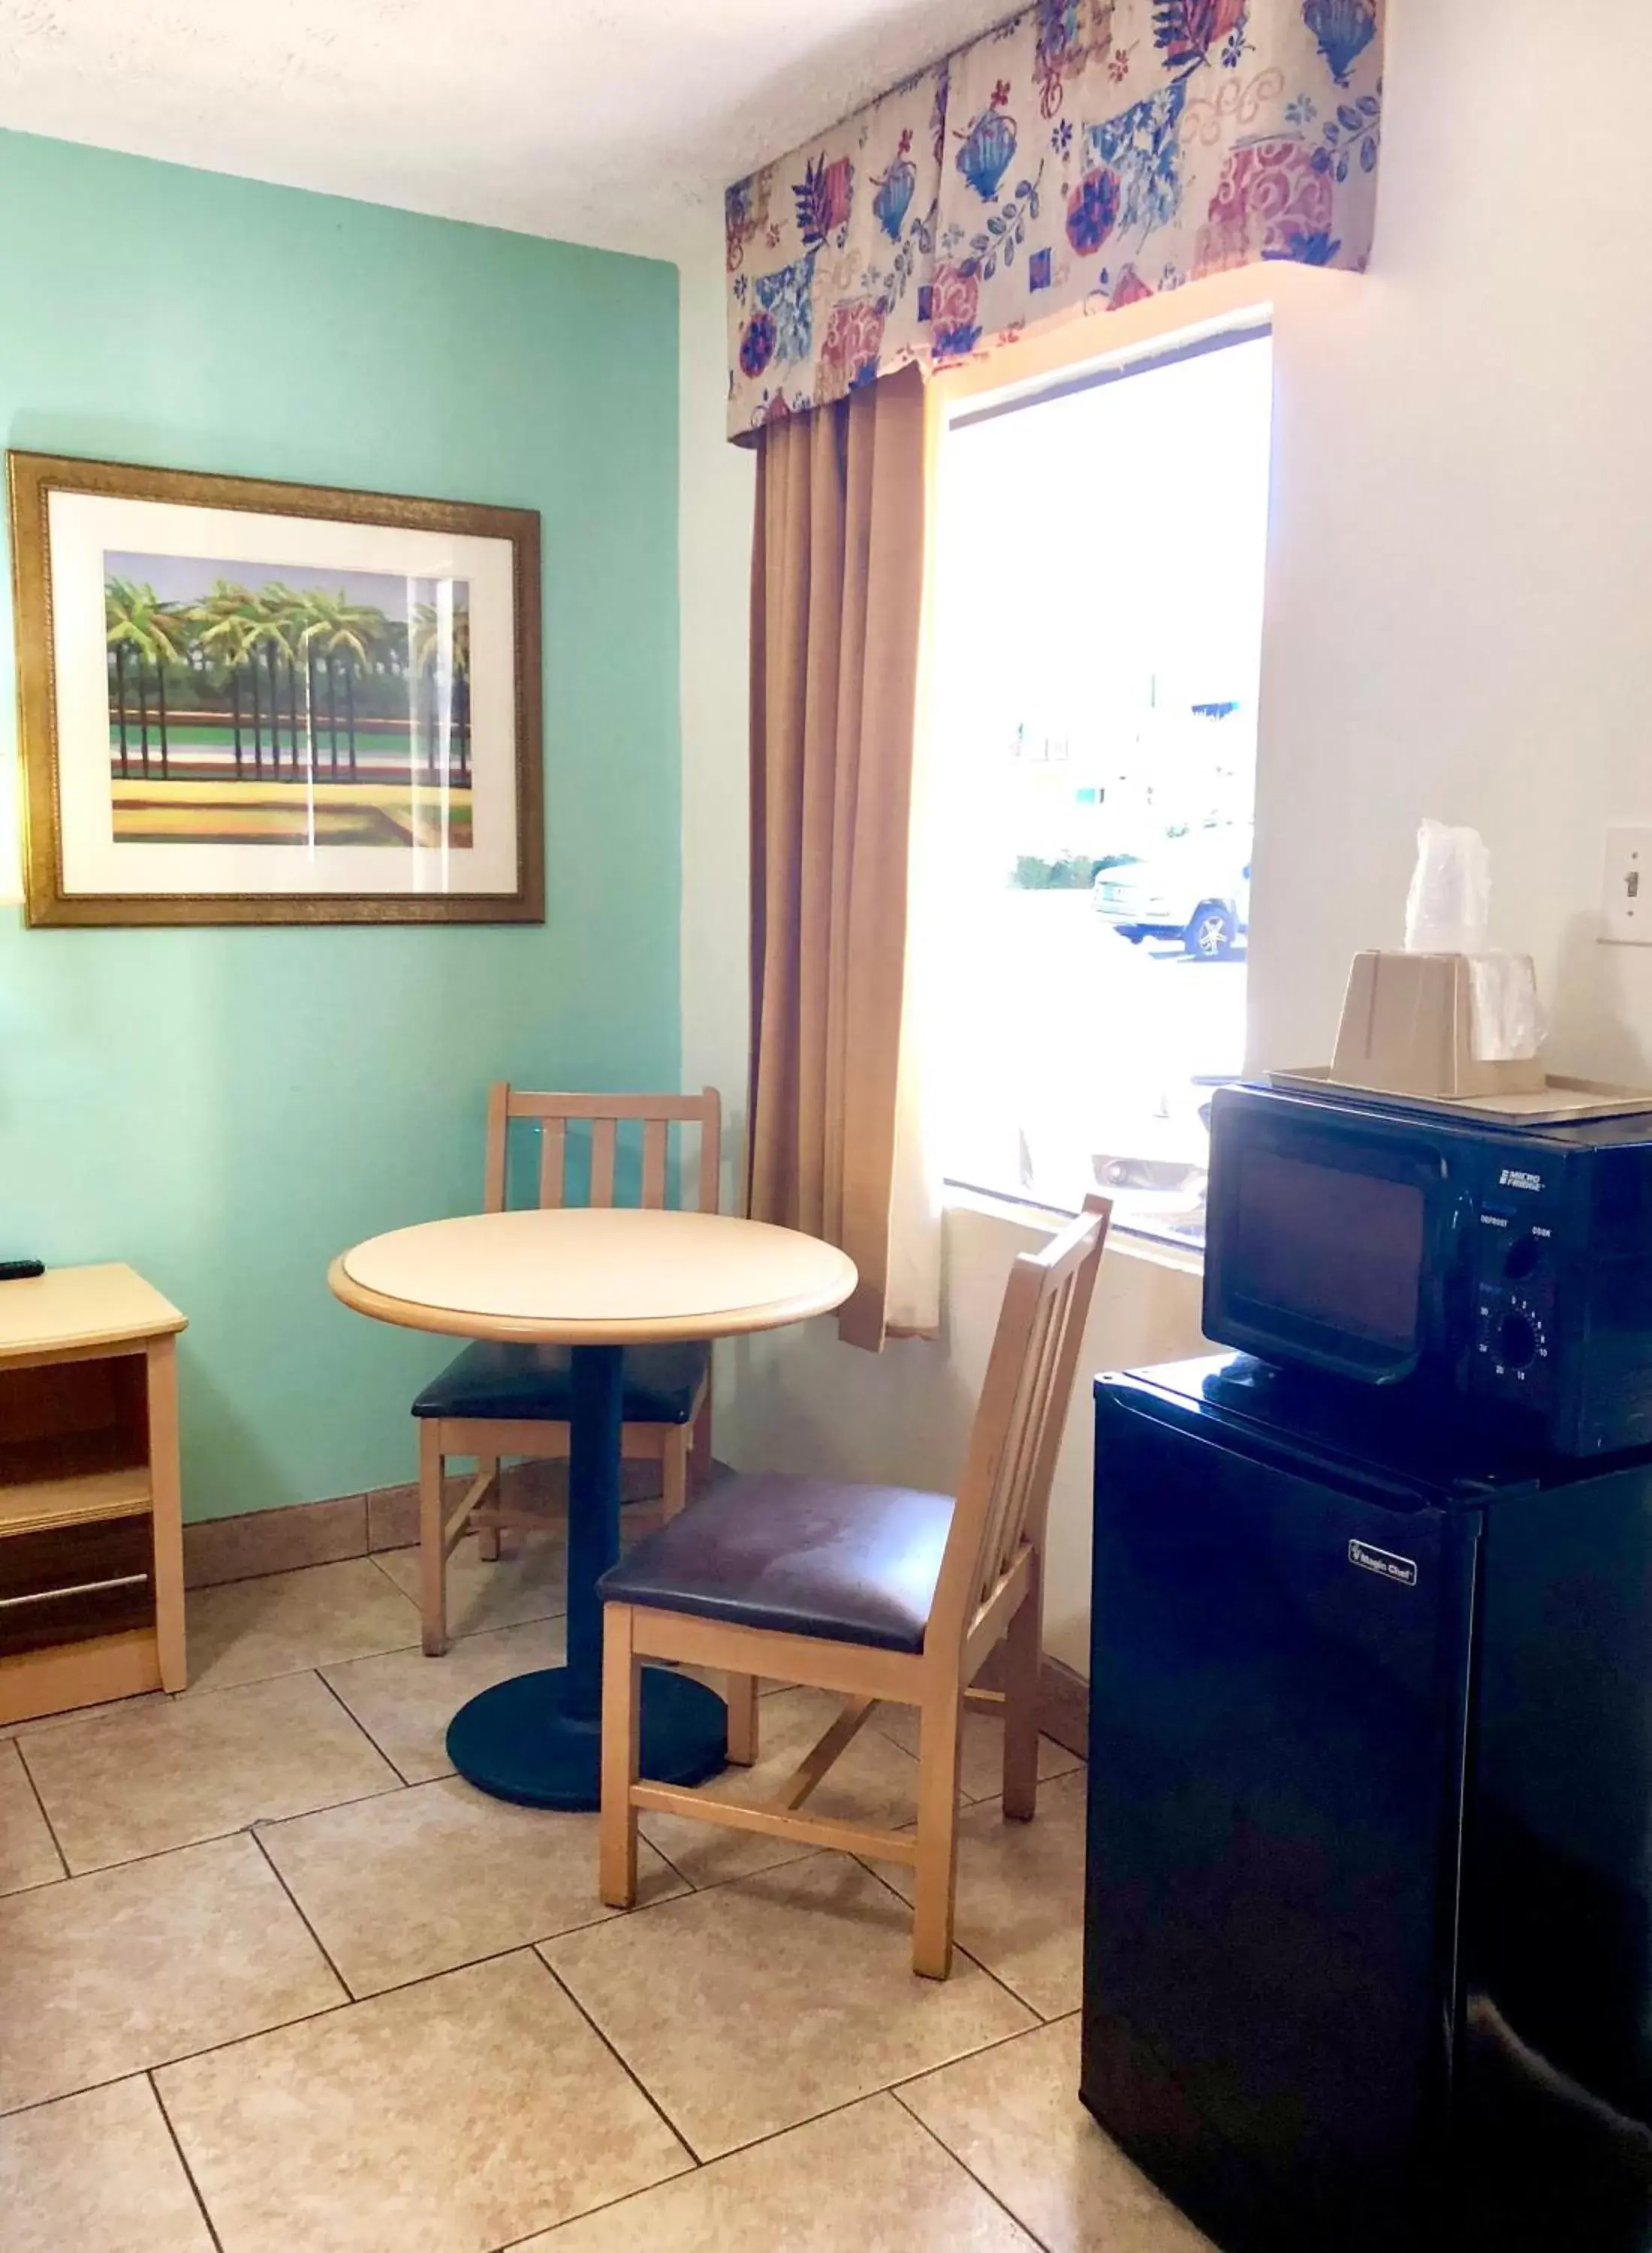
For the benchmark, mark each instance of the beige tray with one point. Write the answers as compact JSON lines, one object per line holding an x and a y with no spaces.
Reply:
{"x":1557,"y":1103}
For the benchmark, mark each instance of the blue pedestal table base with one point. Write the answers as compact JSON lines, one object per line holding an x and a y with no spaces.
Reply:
{"x":537,"y":1740}
{"x":519,"y":1741}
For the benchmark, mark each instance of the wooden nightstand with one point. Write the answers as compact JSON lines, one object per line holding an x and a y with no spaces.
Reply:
{"x":91,"y":1517}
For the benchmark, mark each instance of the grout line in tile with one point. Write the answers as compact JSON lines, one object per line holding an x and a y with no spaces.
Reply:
{"x":268,"y":1861}
{"x":606,"y":2205}
{"x":286,"y":1673}
{"x":327,"y":1807}
{"x":998,"y":1978}
{"x":999,"y":2042}
{"x":348,"y":1998}
{"x":681,"y":1876}
{"x":537,"y":1619}
{"x":873,"y":1723}
{"x":411,"y":1782}
{"x":347,"y":2001}
{"x":209,"y":1839}
{"x":980,"y":2184}
{"x":987,"y":1798}
{"x":454,"y":1634}
{"x":408,"y":1782}
{"x":39,"y":1885}
{"x":711,"y":1886}
{"x":618,"y":1916}
{"x":147,"y":1701}
{"x":183,"y":2160}
{"x":184,"y":2057}
{"x":91,"y":2088}
{"x":959,"y":1948}
{"x":884,"y":2088}
{"x":1003,"y":1985}
{"x":213,"y":1837}
{"x":865,"y":2096}
{"x":357,"y":1722}
{"x":448,"y":1970}
{"x":51,"y":1828}
{"x":489,"y":1956}
{"x":735,"y":2150}
{"x":624,"y":2063}
{"x":810,"y":2119}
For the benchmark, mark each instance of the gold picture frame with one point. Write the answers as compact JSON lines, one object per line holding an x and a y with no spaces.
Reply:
{"x":396,"y":742}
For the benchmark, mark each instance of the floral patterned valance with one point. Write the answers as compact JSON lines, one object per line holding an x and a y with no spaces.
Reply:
{"x":1085,"y":154}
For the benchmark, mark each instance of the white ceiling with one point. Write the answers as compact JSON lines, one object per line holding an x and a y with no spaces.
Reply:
{"x":612,"y":121}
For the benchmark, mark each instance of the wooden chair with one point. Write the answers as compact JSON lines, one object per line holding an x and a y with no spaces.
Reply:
{"x":497,"y":1400}
{"x":873,"y":1592}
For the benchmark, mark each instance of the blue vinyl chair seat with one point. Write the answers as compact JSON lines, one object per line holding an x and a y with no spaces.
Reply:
{"x":532,"y":1384}
{"x":797,"y":1556}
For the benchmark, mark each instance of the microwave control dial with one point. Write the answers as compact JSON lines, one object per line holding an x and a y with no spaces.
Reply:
{"x":1512,"y":1338}
{"x":1519,"y":1340}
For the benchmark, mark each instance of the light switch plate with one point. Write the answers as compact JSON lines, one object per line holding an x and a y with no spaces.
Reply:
{"x":1625,"y":885}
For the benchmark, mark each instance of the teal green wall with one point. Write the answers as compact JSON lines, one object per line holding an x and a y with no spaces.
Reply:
{"x":227,"y":1109}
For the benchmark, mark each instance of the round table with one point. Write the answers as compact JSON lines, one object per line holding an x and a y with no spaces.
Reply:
{"x":597,"y":1281}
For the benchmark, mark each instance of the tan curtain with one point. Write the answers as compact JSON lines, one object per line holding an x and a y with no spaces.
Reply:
{"x":836,"y":612}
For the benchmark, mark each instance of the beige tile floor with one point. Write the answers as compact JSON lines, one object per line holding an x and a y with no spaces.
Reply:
{"x":272,"y":1976}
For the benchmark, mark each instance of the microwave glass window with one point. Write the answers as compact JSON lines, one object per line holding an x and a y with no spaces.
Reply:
{"x":1329,"y":1246}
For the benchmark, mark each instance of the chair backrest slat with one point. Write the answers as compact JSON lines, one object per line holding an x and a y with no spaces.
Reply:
{"x":655,"y":1133}
{"x":604,"y":1136}
{"x":1019,"y":1420}
{"x":606,"y":1115}
{"x":1008,"y":1476}
{"x":1047,"y":1418}
{"x":1003,"y":1525}
{"x":499,"y":1130}
{"x":553,"y":1162}
{"x":1064,"y":1369}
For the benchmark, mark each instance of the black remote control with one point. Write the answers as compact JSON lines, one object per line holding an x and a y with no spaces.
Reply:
{"x":20,"y":1270}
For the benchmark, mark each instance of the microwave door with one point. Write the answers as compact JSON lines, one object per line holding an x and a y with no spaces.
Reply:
{"x":1329,"y":1251}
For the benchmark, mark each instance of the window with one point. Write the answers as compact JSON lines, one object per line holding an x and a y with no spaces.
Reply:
{"x":1099,"y":611}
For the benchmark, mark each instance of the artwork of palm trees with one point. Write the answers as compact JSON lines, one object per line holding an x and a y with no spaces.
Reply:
{"x":300,"y":705}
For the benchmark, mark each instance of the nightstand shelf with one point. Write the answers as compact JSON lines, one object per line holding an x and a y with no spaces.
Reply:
{"x":75,"y":1500}
{"x":91,"y":1536}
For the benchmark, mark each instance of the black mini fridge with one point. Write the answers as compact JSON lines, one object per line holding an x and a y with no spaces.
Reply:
{"x":1368,"y":1933}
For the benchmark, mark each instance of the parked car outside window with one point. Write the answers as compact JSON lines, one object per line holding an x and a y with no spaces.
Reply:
{"x":1196,"y":889}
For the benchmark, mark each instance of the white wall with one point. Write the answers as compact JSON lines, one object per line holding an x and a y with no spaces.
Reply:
{"x":1459,"y":596}
{"x":715,"y":489}
{"x":1459,"y":617}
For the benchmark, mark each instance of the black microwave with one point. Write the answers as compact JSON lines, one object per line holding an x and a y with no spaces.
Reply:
{"x":1509,"y":1265}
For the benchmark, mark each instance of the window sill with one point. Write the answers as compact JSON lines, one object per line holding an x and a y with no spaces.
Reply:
{"x":1029,"y":1212}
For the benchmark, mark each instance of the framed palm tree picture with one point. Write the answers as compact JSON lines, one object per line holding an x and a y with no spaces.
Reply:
{"x":243,"y":702}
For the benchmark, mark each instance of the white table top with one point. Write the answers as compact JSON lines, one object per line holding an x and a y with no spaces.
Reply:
{"x":580,"y":1276}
